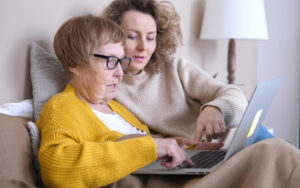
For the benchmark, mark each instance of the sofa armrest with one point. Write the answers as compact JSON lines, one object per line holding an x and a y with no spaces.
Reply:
{"x":16,"y":162}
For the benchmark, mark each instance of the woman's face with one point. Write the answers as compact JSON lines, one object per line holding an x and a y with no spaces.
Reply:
{"x":95,"y":82}
{"x":141,"y":39}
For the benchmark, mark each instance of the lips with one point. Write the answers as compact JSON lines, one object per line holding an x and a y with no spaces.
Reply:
{"x":112,"y":85}
{"x":139,"y":58}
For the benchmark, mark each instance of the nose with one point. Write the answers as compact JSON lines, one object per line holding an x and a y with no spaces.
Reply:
{"x":118,"y":71}
{"x":141,"y":45}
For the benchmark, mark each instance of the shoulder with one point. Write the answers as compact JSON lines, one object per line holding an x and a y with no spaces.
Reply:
{"x":63,"y":110}
{"x":63,"y":103}
{"x":58,"y":100}
{"x":54,"y":108}
{"x":62,"y":100}
{"x":183,"y":67}
{"x":180,"y":64}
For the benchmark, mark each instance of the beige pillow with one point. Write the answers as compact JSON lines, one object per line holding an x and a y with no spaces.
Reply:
{"x":47,"y":77}
{"x":15,"y":153}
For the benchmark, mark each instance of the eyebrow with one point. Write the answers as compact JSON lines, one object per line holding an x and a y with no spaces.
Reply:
{"x":151,"y":32}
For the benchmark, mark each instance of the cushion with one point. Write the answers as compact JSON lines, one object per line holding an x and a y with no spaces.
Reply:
{"x":35,"y":143}
{"x":47,"y":77}
{"x":35,"y":146}
{"x":262,"y":134}
{"x":15,"y":153}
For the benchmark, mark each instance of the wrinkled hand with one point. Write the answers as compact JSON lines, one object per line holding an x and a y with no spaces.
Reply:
{"x":171,"y":153}
{"x":184,"y":142}
{"x":211,"y":121}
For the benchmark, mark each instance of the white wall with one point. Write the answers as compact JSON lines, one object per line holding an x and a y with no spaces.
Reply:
{"x":280,"y":57}
{"x":35,"y":20}
{"x":26,"y":21}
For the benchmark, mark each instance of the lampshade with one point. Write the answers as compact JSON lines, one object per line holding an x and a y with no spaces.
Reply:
{"x":237,"y":19}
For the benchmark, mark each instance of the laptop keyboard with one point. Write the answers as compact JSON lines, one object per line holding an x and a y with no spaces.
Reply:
{"x":205,"y":159}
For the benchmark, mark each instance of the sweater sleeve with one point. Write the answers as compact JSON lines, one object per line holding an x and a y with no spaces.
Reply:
{"x":65,"y":162}
{"x":199,"y":85}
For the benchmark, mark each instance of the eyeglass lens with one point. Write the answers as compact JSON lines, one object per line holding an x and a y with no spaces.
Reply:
{"x":112,"y":62}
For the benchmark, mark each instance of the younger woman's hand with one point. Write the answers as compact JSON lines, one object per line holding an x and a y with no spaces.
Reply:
{"x":209,"y":145}
{"x":211,"y":121}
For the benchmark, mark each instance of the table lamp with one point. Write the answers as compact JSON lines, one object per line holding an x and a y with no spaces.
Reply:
{"x":233,"y":19}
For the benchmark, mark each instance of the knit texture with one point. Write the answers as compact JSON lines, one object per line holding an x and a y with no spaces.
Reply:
{"x":170,"y":101}
{"x":78,"y":150}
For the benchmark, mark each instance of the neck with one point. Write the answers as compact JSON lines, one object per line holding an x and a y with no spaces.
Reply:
{"x":100,"y":106}
{"x":104,"y":108}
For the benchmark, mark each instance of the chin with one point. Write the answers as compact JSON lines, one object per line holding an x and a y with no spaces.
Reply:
{"x":110,"y":97}
{"x":136,"y":69}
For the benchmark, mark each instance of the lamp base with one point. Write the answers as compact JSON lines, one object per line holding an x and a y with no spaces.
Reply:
{"x":231,"y":61}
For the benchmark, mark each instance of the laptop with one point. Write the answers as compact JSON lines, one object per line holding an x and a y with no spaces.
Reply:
{"x":208,"y":160}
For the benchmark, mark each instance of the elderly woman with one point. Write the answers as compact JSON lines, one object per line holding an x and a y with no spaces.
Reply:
{"x":82,"y":128}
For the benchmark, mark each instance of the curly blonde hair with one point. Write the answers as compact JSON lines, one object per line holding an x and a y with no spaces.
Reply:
{"x":169,"y":34}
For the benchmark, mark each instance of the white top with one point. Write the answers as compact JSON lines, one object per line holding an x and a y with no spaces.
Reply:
{"x":116,"y":123}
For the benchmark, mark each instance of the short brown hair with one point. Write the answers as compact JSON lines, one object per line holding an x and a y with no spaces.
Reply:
{"x":169,"y":34}
{"x":79,"y":36}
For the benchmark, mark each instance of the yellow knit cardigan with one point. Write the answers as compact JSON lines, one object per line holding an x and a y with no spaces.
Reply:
{"x":78,"y":150}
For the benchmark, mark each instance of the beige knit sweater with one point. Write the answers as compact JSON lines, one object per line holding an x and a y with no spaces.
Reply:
{"x":170,"y":101}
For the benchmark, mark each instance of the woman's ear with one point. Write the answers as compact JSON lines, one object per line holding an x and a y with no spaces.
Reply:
{"x":74,"y":70}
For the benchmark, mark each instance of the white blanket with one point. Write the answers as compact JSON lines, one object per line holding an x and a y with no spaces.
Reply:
{"x":23,"y":108}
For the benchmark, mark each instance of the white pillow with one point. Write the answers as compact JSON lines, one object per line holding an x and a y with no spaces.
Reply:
{"x":23,"y":108}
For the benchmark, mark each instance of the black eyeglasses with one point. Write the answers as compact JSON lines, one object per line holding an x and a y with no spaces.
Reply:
{"x":112,"y":61}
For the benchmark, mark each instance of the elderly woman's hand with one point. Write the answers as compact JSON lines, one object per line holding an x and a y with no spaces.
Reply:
{"x":171,"y":153}
{"x":184,"y":142}
{"x":211,"y":121}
